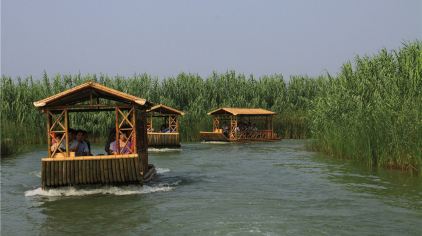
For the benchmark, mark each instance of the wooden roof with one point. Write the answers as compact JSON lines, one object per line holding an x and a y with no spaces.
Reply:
{"x":163,"y":109}
{"x":241,"y":111}
{"x":87,"y":91}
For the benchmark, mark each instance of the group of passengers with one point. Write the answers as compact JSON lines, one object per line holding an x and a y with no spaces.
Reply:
{"x":246,"y":128}
{"x":163,"y":129}
{"x":78,"y":142}
{"x":80,"y":145}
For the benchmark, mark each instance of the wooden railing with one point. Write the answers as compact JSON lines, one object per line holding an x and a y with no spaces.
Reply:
{"x":163,"y":139}
{"x":255,"y":135}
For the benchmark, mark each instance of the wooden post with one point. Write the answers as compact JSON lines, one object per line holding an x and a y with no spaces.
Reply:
{"x":117,"y":141}
{"x":272,"y":127}
{"x":142,"y":139}
{"x":177,"y":124}
{"x":48,"y":133}
{"x":134,"y":140}
{"x":233,"y":125}
{"x":149,"y":122}
{"x":66,"y":126}
{"x":215,"y":123}
{"x":169,"y":123}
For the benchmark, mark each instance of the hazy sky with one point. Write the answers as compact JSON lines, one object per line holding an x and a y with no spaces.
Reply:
{"x":164,"y":38}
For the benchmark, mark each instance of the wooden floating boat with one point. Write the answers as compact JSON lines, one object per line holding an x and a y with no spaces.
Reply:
{"x":235,"y":125}
{"x":171,"y":137}
{"x":130,"y":162}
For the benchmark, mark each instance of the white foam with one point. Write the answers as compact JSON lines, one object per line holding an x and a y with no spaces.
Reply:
{"x":162,"y":170}
{"x":164,"y":149}
{"x":71,"y":191}
{"x":36,"y":173}
{"x":215,"y":142}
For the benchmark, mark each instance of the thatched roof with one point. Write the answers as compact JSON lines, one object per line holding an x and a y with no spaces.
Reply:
{"x":163,"y":109}
{"x":87,"y":91}
{"x":241,"y":111}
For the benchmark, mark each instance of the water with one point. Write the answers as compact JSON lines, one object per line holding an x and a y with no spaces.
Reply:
{"x":220,"y":189}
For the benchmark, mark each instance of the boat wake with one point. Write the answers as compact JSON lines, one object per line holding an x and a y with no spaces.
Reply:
{"x":162,"y":170}
{"x":36,"y":173}
{"x":215,"y":142}
{"x":164,"y":149}
{"x":72,"y":191}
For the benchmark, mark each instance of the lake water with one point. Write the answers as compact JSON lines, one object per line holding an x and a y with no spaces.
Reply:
{"x":219,"y":189}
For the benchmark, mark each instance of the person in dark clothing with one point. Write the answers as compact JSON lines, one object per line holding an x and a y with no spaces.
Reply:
{"x":111,"y":138}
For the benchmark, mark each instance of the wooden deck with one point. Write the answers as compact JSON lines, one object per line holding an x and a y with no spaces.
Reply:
{"x":213,"y":136}
{"x":109,"y":169}
{"x":256,"y":136}
{"x":163,"y":140}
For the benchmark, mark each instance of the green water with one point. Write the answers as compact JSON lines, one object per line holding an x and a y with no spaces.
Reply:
{"x":219,"y":189}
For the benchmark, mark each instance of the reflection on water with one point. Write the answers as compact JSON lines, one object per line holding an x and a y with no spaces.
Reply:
{"x":236,"y":189}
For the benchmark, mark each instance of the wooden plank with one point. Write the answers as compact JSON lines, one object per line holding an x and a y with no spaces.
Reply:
{"x":110,"y":173}
{"x":102,"y":171}
{"x":60,"y":173}
{"x":99,"y":171}
{"x":114,"y":168}
{"x":86,"y":169}
{"x":132,"y":167}
{"x":64,"y":173}
{"x":56,"y":173}
{"x":133,"y":171}
{"x":47,"y":173}
{"x":43,"y":176}
{"x":97,"y":164}
{"x":87,"y":172}
{"x":137,"y":169}
{"x":90,"y":172}
{"x":84,"y":164}
{"x":124,"y":170}
{"x":129,"y":170}
{"x":51,"y":174}
{"x":94,"y":171}
{"x":72,"y":172}
{"x":119,"y":170}
{"x":106,"y":170}
{"x":77,"y":172}
{"x":69,"y":181}
{"x":80,"y":172}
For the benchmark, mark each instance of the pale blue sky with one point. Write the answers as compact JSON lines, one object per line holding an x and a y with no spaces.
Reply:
{"x":164,"y":38}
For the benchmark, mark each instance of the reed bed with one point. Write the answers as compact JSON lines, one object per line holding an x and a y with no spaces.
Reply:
{"x":22,"y":123}
{"x":371,"y":111}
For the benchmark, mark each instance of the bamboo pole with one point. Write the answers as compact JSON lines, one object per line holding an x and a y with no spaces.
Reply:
{"x":48,"y":133}
{"x":66,"y":126}
{"x":135,"y":149}
{"x":117,"y":131}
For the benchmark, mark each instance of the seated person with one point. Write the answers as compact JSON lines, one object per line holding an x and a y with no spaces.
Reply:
{"x":226,"y":130}
{"x":85,"y":139}
{"x":124,"y":149}
{"x":55,"y":141}
{"x":164,"y":129}
{"x":72,"y":136}
{"x":79,"y":146}
{"x":110,"y":139}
